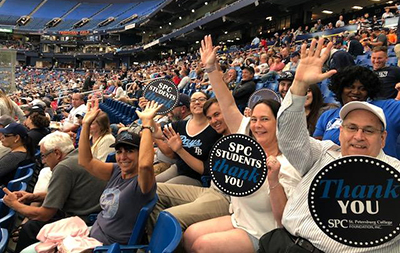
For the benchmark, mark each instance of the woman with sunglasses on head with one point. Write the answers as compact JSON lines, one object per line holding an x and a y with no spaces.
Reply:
{"x":258,"y":213}
{"x":15,"y":136}
{"x":189,"y":141}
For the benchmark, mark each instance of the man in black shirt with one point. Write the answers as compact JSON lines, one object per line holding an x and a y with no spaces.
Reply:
{"x":389,"y":76}
{"x":245,"y":88}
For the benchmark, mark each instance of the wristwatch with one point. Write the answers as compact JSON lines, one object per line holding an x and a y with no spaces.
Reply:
{"x":147,"y":127}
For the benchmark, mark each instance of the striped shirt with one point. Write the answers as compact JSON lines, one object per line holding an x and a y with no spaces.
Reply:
{"x":309,"y":156}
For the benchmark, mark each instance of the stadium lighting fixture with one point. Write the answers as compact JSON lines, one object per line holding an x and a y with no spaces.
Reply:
{"x":160,"y":27}
{"x":237,"y":38}
{"x":193,"y":10}
{"x":169,"y":23}
{"x":327,"y":12}
{"x":205,"y":3}
{"x":226,"y":32}
{"x":144,"y":32}
{"x":180,"y":17}
{"x":269,"y":18}
{"x":197,"y":42}
{"x":356,"y":7}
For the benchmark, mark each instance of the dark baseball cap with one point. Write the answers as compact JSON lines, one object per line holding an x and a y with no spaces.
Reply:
{"x":286,"y":75}
{"x":36,"y":108}
{"x":14,"y":128}
{"x":126,"y":138}
{"x":184,"y":100}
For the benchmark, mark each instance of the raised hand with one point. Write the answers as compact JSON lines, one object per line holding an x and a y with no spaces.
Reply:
{"x":92,"y":112}
{"x":173,"y":139}
{"x":149,"y":111}
{"x":309,"y":70}
{"x":208,"y":52}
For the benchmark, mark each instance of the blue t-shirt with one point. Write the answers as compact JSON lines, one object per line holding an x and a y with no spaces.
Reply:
{"x":329,"y":123}
{"x":120,"y":202}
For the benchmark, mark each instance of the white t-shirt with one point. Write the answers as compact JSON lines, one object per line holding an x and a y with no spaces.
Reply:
{"x":253,"y":213}
{"x":72,"y":119}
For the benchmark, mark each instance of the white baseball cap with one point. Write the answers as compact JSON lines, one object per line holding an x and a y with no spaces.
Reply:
{"x":357,"y":105}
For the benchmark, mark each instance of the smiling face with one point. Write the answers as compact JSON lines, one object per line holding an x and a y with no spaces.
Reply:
{"x":197,"y":101}
{"x":354,"y":92}
{"x":378,"y":60}
{"x":263,"y":124}
{"x":358,"y":142}
{"x":284,"y":86}
{"x":127,"y":159}
{"x":216,"y":120}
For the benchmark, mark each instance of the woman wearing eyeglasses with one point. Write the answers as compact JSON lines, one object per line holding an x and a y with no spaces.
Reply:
{"x":14,"y":136}
{"x":189,"y":141}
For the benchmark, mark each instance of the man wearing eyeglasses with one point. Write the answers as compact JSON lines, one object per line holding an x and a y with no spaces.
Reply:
{"x":362,"y":132}
{"x":72,"y":191}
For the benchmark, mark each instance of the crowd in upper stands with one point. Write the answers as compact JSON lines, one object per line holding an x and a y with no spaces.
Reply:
{"x":123,"y":162}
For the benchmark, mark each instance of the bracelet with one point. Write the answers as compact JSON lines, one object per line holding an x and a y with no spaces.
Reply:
{"x":273,"y":187}
{"x":210,"y":69}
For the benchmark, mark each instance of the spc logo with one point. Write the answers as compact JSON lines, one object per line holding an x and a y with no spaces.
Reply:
{"x":237,"y":165}
{"x":164,"y":92}
{"x":355,"y":201}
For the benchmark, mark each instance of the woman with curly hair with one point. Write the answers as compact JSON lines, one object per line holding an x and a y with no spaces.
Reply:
{"x":357,"y":83}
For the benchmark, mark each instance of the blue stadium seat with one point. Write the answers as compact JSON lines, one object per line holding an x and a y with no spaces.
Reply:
{"x":392,"y":61}
{"x":138,"y":229}
{"x":3,"y":239}
{"x":165,"y":238}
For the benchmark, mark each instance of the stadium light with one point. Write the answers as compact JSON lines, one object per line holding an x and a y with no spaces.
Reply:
{"x":205,"y":3}
{"x":193,"y":10}
{"x":327,"y":12}
{"x":356,"y":7}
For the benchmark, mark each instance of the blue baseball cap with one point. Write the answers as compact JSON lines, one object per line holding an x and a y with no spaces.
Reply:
{"x":14,"y":128}
{"x":126,"y":138}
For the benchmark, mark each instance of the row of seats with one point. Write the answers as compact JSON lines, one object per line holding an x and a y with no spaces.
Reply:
{"x":24,"y":179}
{"x":165,"y":238}
{"x":119,"y":111}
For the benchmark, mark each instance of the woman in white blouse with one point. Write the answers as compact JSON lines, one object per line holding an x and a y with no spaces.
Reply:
{"x":101,"y":137}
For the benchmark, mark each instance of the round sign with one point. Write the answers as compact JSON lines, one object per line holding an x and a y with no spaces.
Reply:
{"x":262,"y":94}
{"x":355,"y":201}
{"x":237,"y":165}
{"x":164,"y":92}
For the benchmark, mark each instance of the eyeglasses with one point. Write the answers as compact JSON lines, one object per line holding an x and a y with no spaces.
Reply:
{"x":6,"y":136}
{"x":43,"y":156}
{"x":365,"y":130}
{"x":194,"y":100}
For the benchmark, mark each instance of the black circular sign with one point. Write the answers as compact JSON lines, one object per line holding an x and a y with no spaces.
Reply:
{"x":264,"y":93}
{"x":237,"y":165}
{"x":355,"y":201}
{"x":164,"y":92}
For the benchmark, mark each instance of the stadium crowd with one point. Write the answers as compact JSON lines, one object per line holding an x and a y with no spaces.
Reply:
{"x":329,"y":90}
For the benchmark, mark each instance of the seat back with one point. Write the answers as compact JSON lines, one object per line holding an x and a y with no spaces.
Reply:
{"x":111,"y":158}
{"x":140,"y":224}
{"x":167,"y":234}
{"x":3,"y":239}
{"x":114,"y":248}
{"x":7,"y":214}
{"x":23,"y":170}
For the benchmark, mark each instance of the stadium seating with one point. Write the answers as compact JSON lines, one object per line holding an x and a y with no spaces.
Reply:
{"x":138,"y":229}
{"x":165,"y":238}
